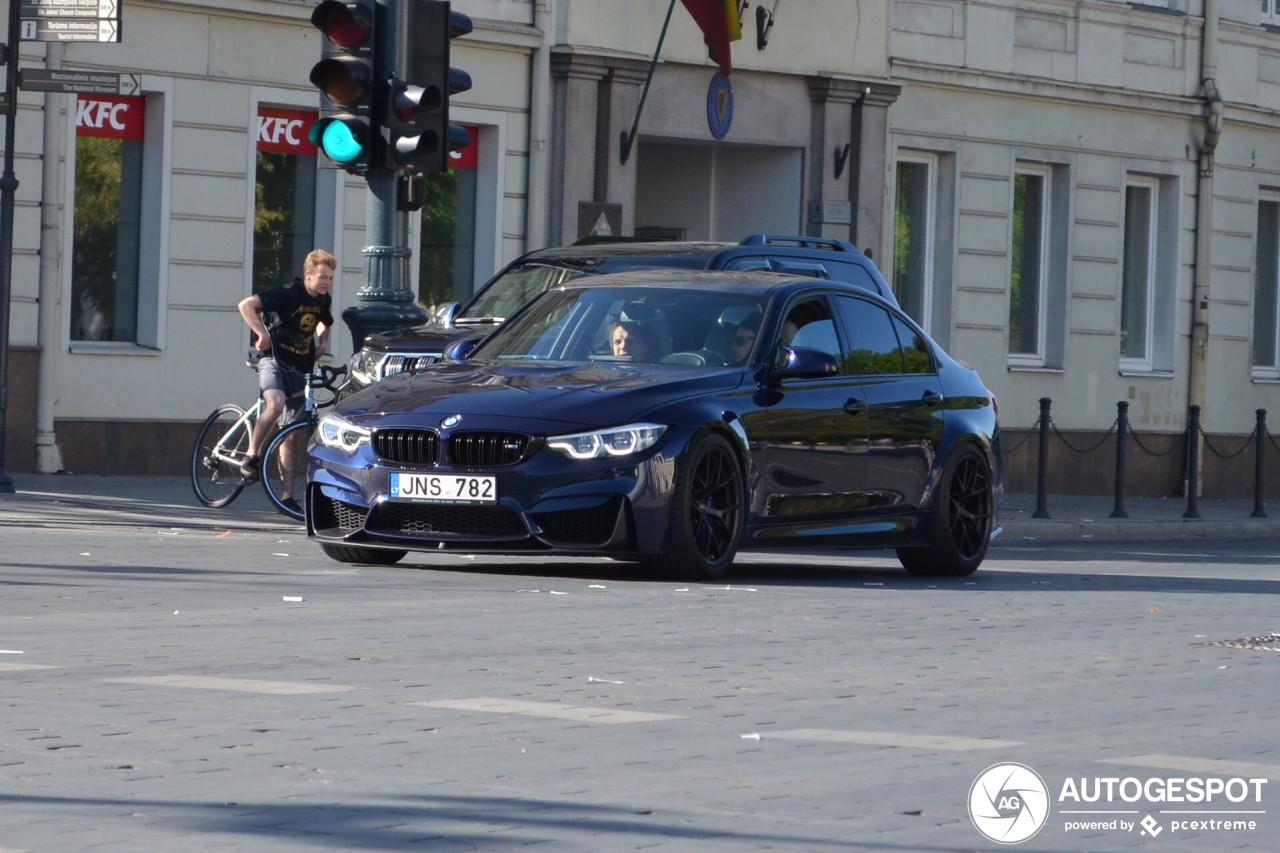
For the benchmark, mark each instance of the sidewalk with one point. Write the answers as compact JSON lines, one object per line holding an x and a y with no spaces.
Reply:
{"x":78,"y":500}
{"x":1076,"y":516}
{"x":85,"y":500}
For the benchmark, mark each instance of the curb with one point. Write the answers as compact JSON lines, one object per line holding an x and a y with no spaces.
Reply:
{"x":1137,"y":529}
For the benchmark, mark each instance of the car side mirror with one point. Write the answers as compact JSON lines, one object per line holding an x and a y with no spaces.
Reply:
{"x":446,"y":313}
{"x":460,"y":350}
{"x":803,"y":363}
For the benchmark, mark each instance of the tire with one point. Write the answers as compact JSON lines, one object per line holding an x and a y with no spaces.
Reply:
{"x":217,"y":482}
{"x":706,"y":513}
{"x":356,"y":554}
{"x":279,"y":484}
{"x":959,"y":528}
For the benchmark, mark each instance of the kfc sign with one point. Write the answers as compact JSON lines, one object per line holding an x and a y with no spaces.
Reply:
{"x":285,"y":131}
{"x":469,"y":157}
{"x":110,"y":117}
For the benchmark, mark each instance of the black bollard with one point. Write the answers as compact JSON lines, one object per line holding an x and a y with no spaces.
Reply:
{"x":1042,"y":470}
{"x":1193,"y":463}
{"x":1259,"y":467}
{"x":1122,"y":428}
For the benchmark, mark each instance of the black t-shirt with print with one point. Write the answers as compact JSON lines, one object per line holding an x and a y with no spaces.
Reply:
{"x":297,"y":312}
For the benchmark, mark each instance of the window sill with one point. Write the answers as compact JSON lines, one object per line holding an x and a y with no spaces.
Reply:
{"x":110,"y":348}
{"x":1159,"y":10}
{"x":1146,"y":374}
{"x":1033,"y":368}
{"x":1265,"y":376}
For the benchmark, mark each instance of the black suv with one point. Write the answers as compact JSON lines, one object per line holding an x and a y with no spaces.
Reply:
{"x":389,"y":353}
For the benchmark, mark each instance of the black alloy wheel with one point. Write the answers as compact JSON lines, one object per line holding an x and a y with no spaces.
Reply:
{"x":958,"y":531}
{"x":706,"y":513}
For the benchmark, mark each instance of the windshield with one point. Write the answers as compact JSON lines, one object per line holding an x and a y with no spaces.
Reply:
{"x":656,"y":325}
{"x":510,"y":292}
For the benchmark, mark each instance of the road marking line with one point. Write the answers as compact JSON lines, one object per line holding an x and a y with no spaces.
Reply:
{"x":242,"y":685}
{"x":20,"y":667}
{"x":555,"y":711}
{"x":1197,"y":765}
{"x":959,"y":744}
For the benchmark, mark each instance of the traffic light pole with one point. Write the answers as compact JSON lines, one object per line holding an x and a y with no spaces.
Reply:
{"x":386,"y":299}
{"x":8,"y":190}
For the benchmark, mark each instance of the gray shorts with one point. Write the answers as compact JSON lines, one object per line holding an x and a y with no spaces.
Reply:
{"x":290,"y":381}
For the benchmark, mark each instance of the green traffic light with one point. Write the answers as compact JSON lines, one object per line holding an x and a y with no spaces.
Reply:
{"x":339,"y":143}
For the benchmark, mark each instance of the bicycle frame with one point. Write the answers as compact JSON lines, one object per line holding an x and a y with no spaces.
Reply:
{"x":246,"y":421}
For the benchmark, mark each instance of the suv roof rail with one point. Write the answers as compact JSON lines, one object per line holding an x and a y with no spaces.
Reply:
{"x":597,"y":239}
{"x":802,"y":242}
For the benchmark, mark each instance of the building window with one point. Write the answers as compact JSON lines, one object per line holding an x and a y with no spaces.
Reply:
{"x":107,"y":218}
{"x":1270,"y":12}
{"x":1138,"y":275}
{"x":1028,"y":274}
{"x":1266,"y":285}
{"x":447,"y":239}
{"x":913,"y":228}
{"x":284,"y":210}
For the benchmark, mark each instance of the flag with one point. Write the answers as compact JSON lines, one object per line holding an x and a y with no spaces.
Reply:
{"x":718,"y":20}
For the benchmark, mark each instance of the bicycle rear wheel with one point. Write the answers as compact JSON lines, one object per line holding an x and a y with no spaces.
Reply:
{"x":284,"y":469}
{"x":215,"y":461}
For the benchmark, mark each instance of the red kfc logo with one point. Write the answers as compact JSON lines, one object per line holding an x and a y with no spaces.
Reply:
{"x":111,"y":117}
{"x":285,"y":131}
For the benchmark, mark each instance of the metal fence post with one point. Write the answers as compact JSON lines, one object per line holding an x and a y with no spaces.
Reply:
{"x":1259,"y":466}
{"x":1042,"y":469}
{"x":1122,"y":427}
{"x":1193,"y":463}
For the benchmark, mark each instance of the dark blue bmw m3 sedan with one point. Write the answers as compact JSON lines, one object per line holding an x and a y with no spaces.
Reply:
{"x":674,"y":418}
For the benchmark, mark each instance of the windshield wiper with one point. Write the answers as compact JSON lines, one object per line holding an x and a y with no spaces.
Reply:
{"x":478,"y":321}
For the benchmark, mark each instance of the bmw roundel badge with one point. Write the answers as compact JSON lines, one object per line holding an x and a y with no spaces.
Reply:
{"x":451,"y":421}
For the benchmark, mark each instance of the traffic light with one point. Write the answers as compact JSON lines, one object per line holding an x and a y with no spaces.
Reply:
{"x":347,"y":129}
{"x":417,"y":112}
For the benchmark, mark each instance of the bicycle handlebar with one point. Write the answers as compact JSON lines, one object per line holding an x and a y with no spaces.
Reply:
{"x":325,"y":376}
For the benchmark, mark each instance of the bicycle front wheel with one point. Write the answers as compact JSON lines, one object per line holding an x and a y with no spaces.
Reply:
{"x":215,"y":461}
{"x":284,"y":469}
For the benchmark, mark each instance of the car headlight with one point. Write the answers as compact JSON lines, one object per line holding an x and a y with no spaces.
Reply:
{"x":364,"y":365}
{"x":617,"y":441}
{"x":338,"y":433}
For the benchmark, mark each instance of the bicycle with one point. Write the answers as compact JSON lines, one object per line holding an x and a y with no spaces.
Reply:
{"x":223,"y":443}
{"x":284,"y":465}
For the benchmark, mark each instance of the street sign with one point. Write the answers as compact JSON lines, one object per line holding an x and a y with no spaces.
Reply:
{"x":70,"y":29}
{"x":105,"y":9}
{"x":79,"y":82}
{"x":70,"y":20}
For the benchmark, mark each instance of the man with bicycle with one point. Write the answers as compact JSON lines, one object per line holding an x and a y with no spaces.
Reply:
{"x":297,"y":338}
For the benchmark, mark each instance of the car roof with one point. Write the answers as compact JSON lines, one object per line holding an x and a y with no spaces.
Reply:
{"x":630,"y":250}
{"x":684,"y":278}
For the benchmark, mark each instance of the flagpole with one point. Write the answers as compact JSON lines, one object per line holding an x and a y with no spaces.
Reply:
{"x":628,"y":139}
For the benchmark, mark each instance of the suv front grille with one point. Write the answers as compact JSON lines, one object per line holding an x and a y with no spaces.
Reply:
{"x":580,"y":526}
{"x":445,"y":521}
{"x":407,"y":446}
{"x":407,"y":363}
{"x":486,"y":449}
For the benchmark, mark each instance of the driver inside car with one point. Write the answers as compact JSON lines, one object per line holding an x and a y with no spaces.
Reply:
{"x":631,"y":339}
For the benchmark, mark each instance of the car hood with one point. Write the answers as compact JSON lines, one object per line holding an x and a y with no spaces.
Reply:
{"x":432,"y":337}
{"x":542,"y":396}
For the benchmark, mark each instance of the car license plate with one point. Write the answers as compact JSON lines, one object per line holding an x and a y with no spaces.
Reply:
{"x":444,"y":488}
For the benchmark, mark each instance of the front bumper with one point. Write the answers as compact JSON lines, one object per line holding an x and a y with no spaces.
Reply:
{"x":546,"y":502}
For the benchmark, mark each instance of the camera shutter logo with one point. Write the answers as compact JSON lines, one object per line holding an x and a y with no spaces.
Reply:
{"x":1009,"y":803}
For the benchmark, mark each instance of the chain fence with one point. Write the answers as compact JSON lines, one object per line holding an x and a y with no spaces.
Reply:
{"x":1091,"y":447}
{"x":1030,"y":433}
{"x":1177,"y":445}
{"x":1218,"y":453}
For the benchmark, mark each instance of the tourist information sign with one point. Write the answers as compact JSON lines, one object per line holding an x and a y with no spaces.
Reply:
{"x":70,"y":20}
{"x":80,"y":82}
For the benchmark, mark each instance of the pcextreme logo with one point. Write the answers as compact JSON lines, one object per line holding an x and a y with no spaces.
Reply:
{"x":1009,"y":803}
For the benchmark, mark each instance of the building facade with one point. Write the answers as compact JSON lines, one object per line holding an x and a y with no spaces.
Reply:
{"x":1028,"y":175}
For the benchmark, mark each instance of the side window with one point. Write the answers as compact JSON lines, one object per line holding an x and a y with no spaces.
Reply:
{"x":853,"y":274}
{"x":751,"y":263}
{"x":914,"y":348}
{"x":789,"y":266}
{"x":873,"y":344}
{"x":809,"y":324}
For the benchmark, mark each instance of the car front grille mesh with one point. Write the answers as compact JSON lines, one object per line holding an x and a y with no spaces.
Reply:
{"x":407,"y":446}
{"x":407,"y":363}
{"x":580,"y":526}
{"x":487,"y":449}
{"x":444,"y":521}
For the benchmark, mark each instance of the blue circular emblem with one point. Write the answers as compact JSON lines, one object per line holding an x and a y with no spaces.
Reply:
{"x":719,"y":105}
{"x":451,"y":421}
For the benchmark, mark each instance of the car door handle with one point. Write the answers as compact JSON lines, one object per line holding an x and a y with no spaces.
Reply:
{"x":854,"y":406}
{"x":931,"y":398}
